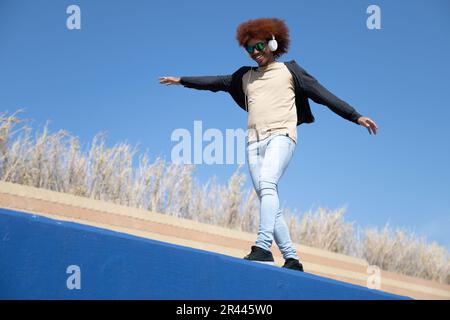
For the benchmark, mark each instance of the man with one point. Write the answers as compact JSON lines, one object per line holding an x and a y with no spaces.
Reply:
{"x":275,"y":95}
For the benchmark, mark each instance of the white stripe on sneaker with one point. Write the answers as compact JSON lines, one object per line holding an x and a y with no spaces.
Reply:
{"x":270,"y":263}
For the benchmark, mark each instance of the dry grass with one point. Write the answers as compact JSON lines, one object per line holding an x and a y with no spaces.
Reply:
{"x":325,"y":229}
{"x":400,"y":249}
{"x":122,"y":175}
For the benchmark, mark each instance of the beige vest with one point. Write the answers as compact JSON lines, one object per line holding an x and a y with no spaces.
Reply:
{"x":271,"y":102}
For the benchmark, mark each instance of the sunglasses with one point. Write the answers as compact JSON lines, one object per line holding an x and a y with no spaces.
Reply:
{"x":260,"y":46}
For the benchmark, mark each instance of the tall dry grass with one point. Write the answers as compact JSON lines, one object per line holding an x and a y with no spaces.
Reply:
{"x":123,"y":175}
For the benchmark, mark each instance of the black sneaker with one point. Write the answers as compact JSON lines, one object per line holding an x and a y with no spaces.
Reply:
{"x":260,"y":255}
{"x":293,"y":264}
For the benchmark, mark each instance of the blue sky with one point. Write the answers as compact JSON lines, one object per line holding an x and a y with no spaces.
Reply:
{"x":104,"y":78}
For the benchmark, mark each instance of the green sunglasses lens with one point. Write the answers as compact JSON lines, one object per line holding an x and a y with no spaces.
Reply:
{"x":260,"y":46}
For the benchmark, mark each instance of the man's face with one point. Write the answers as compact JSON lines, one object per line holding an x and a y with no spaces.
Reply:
{"x":261,"y":57}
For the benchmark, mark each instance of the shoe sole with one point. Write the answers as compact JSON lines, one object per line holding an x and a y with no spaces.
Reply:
{"x":269,"y":263}
{"x":293,"y":269}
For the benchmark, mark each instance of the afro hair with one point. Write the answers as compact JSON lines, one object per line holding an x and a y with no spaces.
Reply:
{"x":264,"y":28}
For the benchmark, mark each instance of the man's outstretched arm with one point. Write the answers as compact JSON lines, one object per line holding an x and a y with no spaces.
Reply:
{"x":319,"y":94}
{"x":211,"y":83}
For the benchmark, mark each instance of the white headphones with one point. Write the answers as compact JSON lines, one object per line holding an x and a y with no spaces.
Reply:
{"x":273,"y":44}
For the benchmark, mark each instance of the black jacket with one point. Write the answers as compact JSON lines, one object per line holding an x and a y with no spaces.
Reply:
{"x":306,"y":86}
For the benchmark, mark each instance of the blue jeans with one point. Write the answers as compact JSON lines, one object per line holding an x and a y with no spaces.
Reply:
{"x":268,"y":159}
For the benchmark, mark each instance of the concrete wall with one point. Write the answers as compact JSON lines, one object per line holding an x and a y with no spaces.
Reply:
{"x":188,"y":233}
{"x":42,"y":258}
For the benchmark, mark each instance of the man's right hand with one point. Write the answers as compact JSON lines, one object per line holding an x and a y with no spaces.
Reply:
{"x":169,"y":80}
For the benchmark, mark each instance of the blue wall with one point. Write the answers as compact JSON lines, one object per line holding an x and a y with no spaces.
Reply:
{"x":35,"y":253}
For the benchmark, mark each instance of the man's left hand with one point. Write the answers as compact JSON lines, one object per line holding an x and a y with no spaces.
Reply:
{"x":369,"y":124}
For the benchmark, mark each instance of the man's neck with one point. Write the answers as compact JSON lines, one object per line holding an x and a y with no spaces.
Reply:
{"x":266,"y":65}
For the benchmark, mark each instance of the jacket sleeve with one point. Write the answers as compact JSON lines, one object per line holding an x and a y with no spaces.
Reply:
{"x":211,"y":83}
{"x":319,"y":94}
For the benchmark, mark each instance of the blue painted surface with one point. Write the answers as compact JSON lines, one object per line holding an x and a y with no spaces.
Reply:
{"x":35,"y":252}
